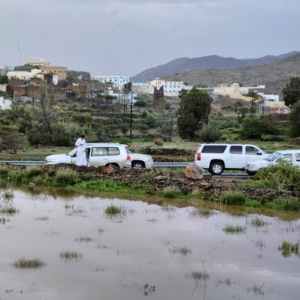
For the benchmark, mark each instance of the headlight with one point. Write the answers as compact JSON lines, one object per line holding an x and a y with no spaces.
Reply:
{"x":251,"y":166}
{"x":50,"y":160}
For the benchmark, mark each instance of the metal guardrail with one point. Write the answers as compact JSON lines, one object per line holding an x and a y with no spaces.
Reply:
{"x":21,"y":162}
{"x":37,"y":163}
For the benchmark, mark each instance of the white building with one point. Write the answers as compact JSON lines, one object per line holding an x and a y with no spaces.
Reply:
{"x":116,"y":80}
{"x":171,"y":88}
{"x":5,"y":104}
{"x":235,"y":88}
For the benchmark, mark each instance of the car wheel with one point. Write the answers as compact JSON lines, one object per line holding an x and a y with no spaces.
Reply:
{"x":138,"y":165}
{"x":216,"y":168}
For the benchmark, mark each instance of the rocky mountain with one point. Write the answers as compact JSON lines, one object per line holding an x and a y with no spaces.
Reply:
{"x":185,"y":64}
{"x":274,"y":75}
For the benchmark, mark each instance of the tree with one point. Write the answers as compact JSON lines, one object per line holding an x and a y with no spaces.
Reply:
{"x":291,"y":92}
{"x":127,"y":88}
{"x":193,"y":112}
{"x":253,"y":102}
{"x":255,"y":127}
{"x":294,"y":120}
{"x":3,"y":79}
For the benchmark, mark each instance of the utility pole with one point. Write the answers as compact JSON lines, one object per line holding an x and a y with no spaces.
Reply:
{"x":130,"y":115}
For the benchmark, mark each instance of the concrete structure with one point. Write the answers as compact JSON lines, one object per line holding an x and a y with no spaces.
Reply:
{"x":61,"y":72}
{"x":235,"y":88}
{"x":116,"y":80}
{"x":38,"y":62}
{"x":171,"y":88}
{"x":269,"y":98}
{"x":5,"y":104}
{"x":3,"y":87}
{"x":25,"y":75}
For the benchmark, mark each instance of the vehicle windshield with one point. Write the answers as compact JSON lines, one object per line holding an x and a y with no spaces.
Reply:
{"x":71,"y":153}
{"x":273,"y":156}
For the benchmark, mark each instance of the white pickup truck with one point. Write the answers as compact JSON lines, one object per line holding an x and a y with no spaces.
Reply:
{"x":219,"y":157}
{"x":291,"y":156}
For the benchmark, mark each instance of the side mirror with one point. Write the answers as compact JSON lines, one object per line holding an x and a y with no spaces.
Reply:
{"x":258,"y":153}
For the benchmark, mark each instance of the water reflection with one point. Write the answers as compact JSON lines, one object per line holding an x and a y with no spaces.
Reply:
{"x":145,"y":251}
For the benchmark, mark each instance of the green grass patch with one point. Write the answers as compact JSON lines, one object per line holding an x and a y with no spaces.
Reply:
{"x":288,"y":248}
{"x":180,"y":250}
{"x":28,"y":263}
{"x":258,"y":222}
{"x":234,"y":229}
{"x":70,"y":255}
{"x":9,"y":210}
{"x":234,"y":198}
{"x":113,"y":210}
{"x":171,"y":193}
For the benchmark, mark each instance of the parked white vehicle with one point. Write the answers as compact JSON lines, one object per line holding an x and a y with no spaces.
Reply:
{"x":104,"y":154}
{"x":291,"y":156}
{"x":140,"y":161}
{"x":219,"y":157}
{"x":98,"y":154}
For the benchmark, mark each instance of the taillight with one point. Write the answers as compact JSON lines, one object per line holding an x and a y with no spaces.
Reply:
{"x":128,"y":158}
{"x":198,"y":156}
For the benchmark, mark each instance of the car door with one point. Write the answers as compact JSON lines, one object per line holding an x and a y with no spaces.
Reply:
{"x":252,"y":153}
{"x":98,"y":156}
{"x":235,"y":157}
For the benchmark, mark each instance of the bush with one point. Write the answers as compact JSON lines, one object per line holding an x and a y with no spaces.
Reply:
{"x":140,"y":103}
{"x":65,"y":178}
{"x":158,"y":142}
{"x":234,"y":198}
{"x":282,"y":176}
{"x":255,"y":127}
{"x":209,"y":133}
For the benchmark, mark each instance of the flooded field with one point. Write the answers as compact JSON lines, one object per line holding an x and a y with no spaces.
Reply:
{"x":93,"y":248}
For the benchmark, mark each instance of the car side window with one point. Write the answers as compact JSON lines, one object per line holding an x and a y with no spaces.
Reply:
{"x":113,"y":151}
{"x":99,"y":151}
{"x":251,"y":150}
{"x":297,"y":156}
{"x":236,"y":150}
{"x":214,"y":149}
{"x":287,"y":157}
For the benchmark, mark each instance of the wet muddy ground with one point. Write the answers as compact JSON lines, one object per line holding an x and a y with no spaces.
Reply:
{"x":146,"y":251}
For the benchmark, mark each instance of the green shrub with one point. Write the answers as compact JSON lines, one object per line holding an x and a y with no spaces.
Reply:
{"x":171,"y":193}
{"x":255,"y":127}
{"x":281,"y":176}
{"x":234,"y":198}
{"x":113,"y":210}
{"x":158,"y":142}
{"x":33,"y":171}
{"x":65,"y":178}
{"x":140,"y":103}
{"x":209,"y":133}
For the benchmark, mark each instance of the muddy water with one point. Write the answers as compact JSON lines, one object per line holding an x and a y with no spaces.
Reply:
{"x":148,"y":251}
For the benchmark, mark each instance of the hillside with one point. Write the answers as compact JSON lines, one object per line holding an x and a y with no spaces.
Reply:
{"x":274,"y":75}
{"x":204,"y":63}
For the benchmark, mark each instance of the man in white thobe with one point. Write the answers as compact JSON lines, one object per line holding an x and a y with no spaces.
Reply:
{"x":81,"y":155}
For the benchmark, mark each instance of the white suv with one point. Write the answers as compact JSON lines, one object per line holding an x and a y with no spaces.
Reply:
{"x":98,"y":154}
{"x":219,"y":157}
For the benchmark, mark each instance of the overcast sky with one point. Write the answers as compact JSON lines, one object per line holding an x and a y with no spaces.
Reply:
{"x":105,"y":37}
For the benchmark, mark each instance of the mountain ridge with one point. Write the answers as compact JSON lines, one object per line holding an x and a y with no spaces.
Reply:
{"x":274,"y":75}
{"x":185,"y":64}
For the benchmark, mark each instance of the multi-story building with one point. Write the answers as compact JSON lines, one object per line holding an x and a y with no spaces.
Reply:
{"x":171,"y":88}
{"x":116,"y":80}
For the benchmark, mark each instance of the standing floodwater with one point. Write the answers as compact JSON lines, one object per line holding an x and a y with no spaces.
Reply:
{"x":93,"y":248}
